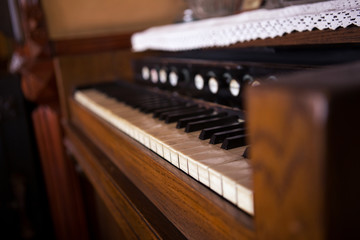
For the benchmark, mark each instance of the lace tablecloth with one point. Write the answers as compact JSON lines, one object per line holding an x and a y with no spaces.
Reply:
{"x":258,"y":24}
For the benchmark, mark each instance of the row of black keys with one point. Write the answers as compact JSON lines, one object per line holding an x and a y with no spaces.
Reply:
{"x":219,"y":127}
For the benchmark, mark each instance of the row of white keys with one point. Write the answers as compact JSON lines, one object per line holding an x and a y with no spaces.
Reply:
{"x":199,"y":168}
{"x":224,"y":171}
{"x":235,"y":179}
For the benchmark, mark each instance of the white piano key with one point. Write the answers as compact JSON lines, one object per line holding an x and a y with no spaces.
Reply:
{"x":153,"y":144}
{"x":193,"y":170}
{"x":203,"y":174}
{"x":199,"y":161}
{"x":136,"y":135}
{"x":215,"y":181}
{"x":229,"y":189}
{"x":159,"y":148}
{"x":167,"y":153}
{"x":141,"y":137}
{"x":147,"y":141}
{"x":245,"y":199}
{"x":174,"y":158}
{"x":183,"y":163}
{"x":236,"y":177}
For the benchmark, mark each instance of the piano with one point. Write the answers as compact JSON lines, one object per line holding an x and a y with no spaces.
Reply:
{"x":205,"y":146}
{"x":225,"y":143}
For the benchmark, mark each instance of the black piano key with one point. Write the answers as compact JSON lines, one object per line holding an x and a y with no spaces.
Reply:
{"x":184,"y":121}
{"x":149,"y":109}
{"x":208,"y":132}
{"x":141,"y":102}
{"x":234,"y":142}
{"x":181,"y":110}
{"x":135,"y":103}
{"x":149,"y":104}
{"x":184,"y":109}
{"x":199,"y":125}
{"x":176,"y":116}
{"x":164,"y":115}
{"x":158,"y":112}
{"x":246,"y":153}
{"x":137,"y":98}
{"x":220,"y":136}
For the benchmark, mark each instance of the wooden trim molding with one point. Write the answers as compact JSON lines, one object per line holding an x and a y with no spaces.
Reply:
{"x":91,"y":44}
{"x":350,"y":35}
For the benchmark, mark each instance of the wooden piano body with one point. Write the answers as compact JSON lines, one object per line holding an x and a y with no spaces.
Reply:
{"x":304,"y":142}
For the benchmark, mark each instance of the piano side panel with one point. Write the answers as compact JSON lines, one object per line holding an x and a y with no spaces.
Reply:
{"x":197,"y":212}
{"x":288,"y":162}
{"x":304,"y":136}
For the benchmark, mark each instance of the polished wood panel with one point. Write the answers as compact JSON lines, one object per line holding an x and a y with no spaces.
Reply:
{"x":101,"y":223}
{"x":61,"y":179}
{"x":106,"y":225}
{"x":85,"y":45}
{"x":304,"y":136}
{"x":143,"y":210}
{"x":130,"y":221}
{"x":292,"y":142}
{"x":91,"y":44}
{"x":196,"y":211}
{"x":74,"y":19}
{"x":76,"y":70}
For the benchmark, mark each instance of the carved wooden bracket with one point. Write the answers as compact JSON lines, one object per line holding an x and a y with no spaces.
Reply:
{"x":38,"y":82}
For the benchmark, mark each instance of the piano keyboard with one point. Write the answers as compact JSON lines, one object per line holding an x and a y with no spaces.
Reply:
{"x":173,"y":128}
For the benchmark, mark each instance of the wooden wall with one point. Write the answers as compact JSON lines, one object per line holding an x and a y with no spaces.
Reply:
{"x":68,"y":18}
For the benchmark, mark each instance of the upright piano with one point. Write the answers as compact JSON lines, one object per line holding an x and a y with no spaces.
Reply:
{"x":253,"y":141}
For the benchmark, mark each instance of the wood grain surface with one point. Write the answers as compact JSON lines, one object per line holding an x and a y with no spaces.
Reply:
{"x":113,"y":42}
{"x":130,"y":221}
{"x":304,"y":137}
{"x":62,"y":183}
{"x":86,"y":45}
{"x":288,"y":164}
{"x":76,"y":70}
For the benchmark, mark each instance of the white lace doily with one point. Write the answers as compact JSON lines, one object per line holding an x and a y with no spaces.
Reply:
{"x":258,"y":24}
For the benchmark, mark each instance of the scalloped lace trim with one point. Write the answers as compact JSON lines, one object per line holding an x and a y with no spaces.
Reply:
{"x":258,"y":24}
